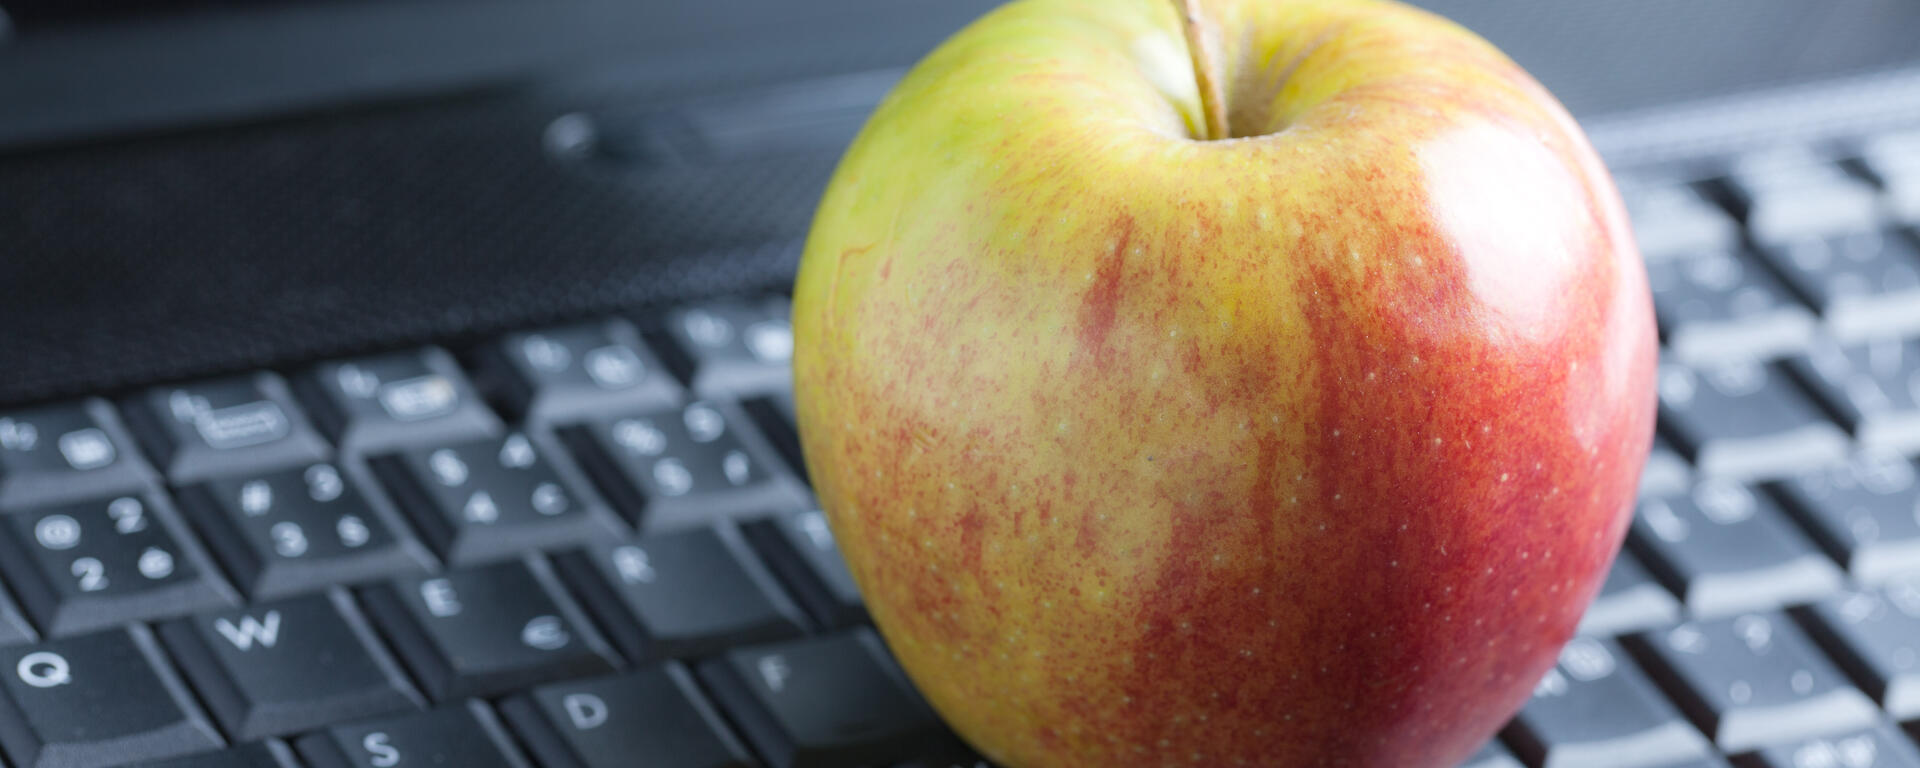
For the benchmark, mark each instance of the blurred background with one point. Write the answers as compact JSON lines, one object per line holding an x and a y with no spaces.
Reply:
{"x":232,"y":204}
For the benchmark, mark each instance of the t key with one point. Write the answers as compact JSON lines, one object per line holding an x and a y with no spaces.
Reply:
{"x":801,"y":549}
{"x":454,"y":737}
{"x":291,"y":665}
{"x":301,"y":529}
{"x":96,"y":700}
{"x":492,"y":498}
{"x":487,"y":630}
{"x":99,"y":563}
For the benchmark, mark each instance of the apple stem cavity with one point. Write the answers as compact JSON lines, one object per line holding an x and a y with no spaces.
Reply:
{"x":1213,"y":107}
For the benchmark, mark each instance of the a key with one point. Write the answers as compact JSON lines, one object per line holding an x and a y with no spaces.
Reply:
{"x":1752,"y":681}
{"x":386,"y":402}
{"x":301,"y":529}
{"x":1665,"y":472}
{"x":231,"y":425}
{"x":1724,"y":549}
{"x":13,"y":623}
{"x":1875,"y":636}
{"x":1595,"y":709}
{"x":1718,"y":307}
{"x":1863,"y":513}
{"x":454,"y":737}
{"x":1746,"y":421}
{"x":605,"y":723}
{"x":266,"y":754}
{"x":1872,"y":388}
{"x":1493,"y":755}
{"x":66,"y":452}
{"x":289,"y":665}
{"x":685,"y":593}
{"x":684,"y":467}
{"x":1864,"y":284}
{"x":822,"y":701}
{"x":569,"y":373}
{"x":98,"y":563}
{"x":1630,"y":600}
{"x":487,"y":630}
{"x":1672,"y":220}
{"x":735,"y":348}
{"x":1880,"y":746}
{"x":800,"y":548}
{"x":96,"y":700}
{"x":1792,"y":192}
{"x":493,"y":498}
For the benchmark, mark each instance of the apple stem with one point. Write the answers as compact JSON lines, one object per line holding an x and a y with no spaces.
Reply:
{"x":1213,"y":106}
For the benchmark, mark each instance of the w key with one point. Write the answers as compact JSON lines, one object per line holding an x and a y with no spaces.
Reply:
{"x":96,"y":700}
{"x":287,"y":666}
{"x":487,"y":630}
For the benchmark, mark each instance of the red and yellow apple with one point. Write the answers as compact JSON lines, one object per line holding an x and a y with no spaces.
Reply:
{"x":1306,"y":446}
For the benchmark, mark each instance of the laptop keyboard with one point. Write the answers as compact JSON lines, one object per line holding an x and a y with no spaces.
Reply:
{"x":585,"y":545}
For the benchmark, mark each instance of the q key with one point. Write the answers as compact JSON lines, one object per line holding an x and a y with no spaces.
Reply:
{"x":96,"y":700}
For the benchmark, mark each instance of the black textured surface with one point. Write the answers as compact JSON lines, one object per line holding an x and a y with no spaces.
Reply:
{"x":279,"y":243}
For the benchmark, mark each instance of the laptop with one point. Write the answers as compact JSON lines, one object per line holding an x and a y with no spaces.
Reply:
{"x":405,"y":383}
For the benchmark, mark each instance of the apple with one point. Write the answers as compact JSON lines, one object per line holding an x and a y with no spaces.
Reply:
{"x":1303,"y":445}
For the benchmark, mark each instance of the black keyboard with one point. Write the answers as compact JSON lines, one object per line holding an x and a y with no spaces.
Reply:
{"x":594,"y":544}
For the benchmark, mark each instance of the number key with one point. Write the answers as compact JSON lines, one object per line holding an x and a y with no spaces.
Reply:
{"x":681,"y":467}
{"x":1725,"y":549}
{"x":95,"y":564}
{"x":1863,"y":512}
{"x":222,"y":426}
{"x":1875,"y":635}
{"x":1865,"y":284}
{"x":1596,"y":710}
{"x":575,"y":371}
{"x":1746,"y":421}
{"x":384,"y":402}
{"x":301,"y":529}
{"x":1881,"y":746}
{"x":1722,"y":306}
{"x":1873,"y":389}
{"x":736,"y":348}
{"x":493,"y":498}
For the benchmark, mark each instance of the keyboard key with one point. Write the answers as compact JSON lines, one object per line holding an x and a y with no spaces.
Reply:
{"x":1862,"y":513}
{"x":1630,"y":600}
{"x":1493,"y":755}
{"x":66,"y":452}
{"x":290,"y":665}
{"x":1880,"y":746}
{"x":1872,"y":388}
{"x":1718,"y":307}
{"x":800,"y":548}
{"x":95,"y":564}
{"x":1596,"y":710}
{"x":386,"y":402}
{"x":1875,"y":636}
{"x":1793,"y":192}
{"x":1864,"y":284}
{"x":774,"y":415}
{"x":270,"y":754}
{"x":14,"y":628}
{"x":96,"y":700}
{"x":230,"y":425}
{"x":1895,"y":159}
{"x":823,"y":701}
{"x":686,"y":593}
{"x":1675,"y":221}
{"x":453,"y":737}
{"x":1666,"y":472}
{"x":1746,"y":421}
{"x":735,"y":348}
{"x":487,"y":630}
{"x":683,"y":467}
{"x":301,"y":529}
{"x":605,"y":723}
{"x":493,"y":498}
{"x":1724,"y":549}
{"x":1752,"y":681}
{"x":573,"y":372}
